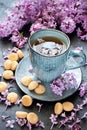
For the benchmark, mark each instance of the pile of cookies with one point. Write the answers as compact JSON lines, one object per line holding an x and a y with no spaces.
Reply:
{"x":31,"y":117}
{"x":11,"y":63}
{"x":66,"y":106}
{"x":33,"y":85}
{"x":13,"y":97}
{"x":26,"y":101}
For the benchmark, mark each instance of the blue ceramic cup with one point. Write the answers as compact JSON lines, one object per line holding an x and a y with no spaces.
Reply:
{"x":47,"y":68}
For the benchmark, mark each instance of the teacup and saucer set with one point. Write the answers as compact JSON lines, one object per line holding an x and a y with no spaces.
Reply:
{"x":50,"y":56}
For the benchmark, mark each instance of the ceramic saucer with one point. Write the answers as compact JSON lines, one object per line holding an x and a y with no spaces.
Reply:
{"x":23,"y":70}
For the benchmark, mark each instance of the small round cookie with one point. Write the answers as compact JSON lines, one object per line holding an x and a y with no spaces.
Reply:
{"x":21,"y":114}
{"x":7,"y":74}
{"x":26,"y":101}
{"x":26,"y":80}
{"x":20,"y":54}
{"x":33,"y":85}
{"x":13,"y":56}
{"x":68,"y":106}
{"x":32,"y":118}
{"x":12,"y":97}
{"x":58,"y":108}
{"x":7,"y":64}
{"x":3,"y":86}
{"x":40,"y":89}
{"x":14,"y":65}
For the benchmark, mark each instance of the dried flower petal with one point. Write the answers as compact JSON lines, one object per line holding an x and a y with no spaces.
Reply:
{"x":53,"y":119}
{"x":7,"y":103}
{"x":39,"y":106}
{"x":4,"y":117}
{"x":40,"y":124}
{"x":10,"y":123}
{"x":21,"y":121}
{"x":29,"y":126}
{"x":5,"y":93}
{"x":84,"y":116}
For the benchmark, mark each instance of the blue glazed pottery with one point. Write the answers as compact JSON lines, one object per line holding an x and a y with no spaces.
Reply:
{"x":47,"y":68}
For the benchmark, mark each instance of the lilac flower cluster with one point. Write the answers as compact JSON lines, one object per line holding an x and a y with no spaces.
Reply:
{"x":16,"y":19}
{"x":18,"y":38}
{"x":3,"y":96}
{"x":66,"y":15}
{"x":83,"y":89}
{"x":64,"y":82}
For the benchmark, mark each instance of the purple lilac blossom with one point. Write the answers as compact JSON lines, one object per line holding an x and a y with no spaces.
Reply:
{"x":64,"y":82}
{"x":84,"y":116}
{"x":37,"y":25}
{"x":68,"y":15}
{"x":72,"y":116}
{"x":40,"y":124}
{"x":64,"y":122}
{"x":39,"y":106}
{"x":3,"y":96}
{"x":5,"y":93}
{"x":84,"y":102}
{"x":53,"y":119}
{"x":20,"y":121}
{"x":29,"y":126}
{"x":75,"y":125}
{"x":10,"y":123}
{"x":68,"y":119}
{"x":80,"y":107}
{"x":18,"y":38}
{"x":83,"y":89}
{"x":2,"y":99}
{"x":16,"y":19}
{"x":63,"y":114}
{"x":69,"y":80}
{"x":4,"y":117}
{"x":7,"y":103}
{"x":68,"y":25}
{"x":57,"y":87}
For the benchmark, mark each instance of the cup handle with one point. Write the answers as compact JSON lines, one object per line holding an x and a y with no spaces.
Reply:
{"x":71,"y":62}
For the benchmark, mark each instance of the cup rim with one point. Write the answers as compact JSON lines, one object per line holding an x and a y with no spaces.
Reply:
{"x":49,"y":30}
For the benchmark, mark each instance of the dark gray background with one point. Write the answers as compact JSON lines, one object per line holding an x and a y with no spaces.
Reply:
{"x":47,"y":107}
